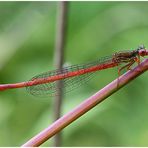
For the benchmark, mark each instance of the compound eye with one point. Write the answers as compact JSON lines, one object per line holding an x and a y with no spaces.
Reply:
{"x":142,"y":52}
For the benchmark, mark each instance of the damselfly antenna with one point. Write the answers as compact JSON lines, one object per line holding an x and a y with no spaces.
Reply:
{"x":141,"y":47}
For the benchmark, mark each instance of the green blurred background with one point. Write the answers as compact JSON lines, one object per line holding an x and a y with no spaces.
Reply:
{"x":95,"y":29}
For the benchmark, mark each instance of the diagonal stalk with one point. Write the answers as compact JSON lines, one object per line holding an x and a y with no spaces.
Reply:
{"x":86,"y":105}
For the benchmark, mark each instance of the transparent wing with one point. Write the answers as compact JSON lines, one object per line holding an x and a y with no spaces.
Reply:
{"x":69,"y":83}
{"x":51,"y":89}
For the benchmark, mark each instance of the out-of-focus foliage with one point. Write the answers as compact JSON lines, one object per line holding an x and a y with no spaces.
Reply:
{"x":95,"y":29}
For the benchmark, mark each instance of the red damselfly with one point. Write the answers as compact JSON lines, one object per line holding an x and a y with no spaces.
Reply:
{"x":73,"y":76}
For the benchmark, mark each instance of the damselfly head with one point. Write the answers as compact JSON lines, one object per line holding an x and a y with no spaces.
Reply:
{"x":142,"y":51}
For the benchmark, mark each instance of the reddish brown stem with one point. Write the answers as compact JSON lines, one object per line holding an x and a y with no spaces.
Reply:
{"x":87,"y":105}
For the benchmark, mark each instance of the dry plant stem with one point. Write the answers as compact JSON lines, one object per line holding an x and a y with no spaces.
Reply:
{"x":59,"y":59}
{"x":86,"y":105}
